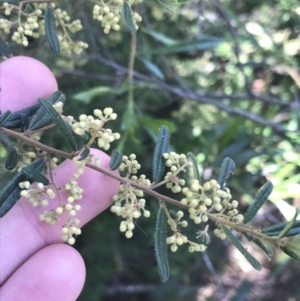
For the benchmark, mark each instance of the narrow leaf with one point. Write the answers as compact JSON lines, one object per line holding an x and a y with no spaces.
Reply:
{"x":12,"y":158}
{"x":85,"y":152}
{"x":161,"y":249}
{"x":89,"y":95}
{"x":260,"y":199}
{"x":265,"y":248}
{"x":24,"y":123}
{"x":115,"y":160}
{"x":292,"y":232}
{"x":227,"y":169}
{"x":292,"y":248}
{"x":160,"y":37}
{"x":291,"y":252}
{"x":4,"y":50}
{"x":241,"y":248}
{"x":197,"y":44}
{"x":10,"y":194}
{"x":10,"y":201}
{"x":15,"y":120}
{"x":153,"y":68}
{"x":127,"y":17}
{"x":62,"y":126}
{"x":28,"y":9}
{"x":160,"y":148}
{"x":41,"y":117}
{"x":50,"y":28}
{"x":192,"y":158}
{"x":288,"y":226}
{"x":5,"y":117}
{"x":38,"y":164}
{"x":10,"y":187}
{"x":278,"y":227}
{"x":164,"y":5}
{"x":31,"y":173}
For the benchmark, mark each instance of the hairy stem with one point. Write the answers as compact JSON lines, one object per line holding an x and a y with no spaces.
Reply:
{"x":162,"y":198}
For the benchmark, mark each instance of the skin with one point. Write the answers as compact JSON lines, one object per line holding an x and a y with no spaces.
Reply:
{"x":34,"y":263}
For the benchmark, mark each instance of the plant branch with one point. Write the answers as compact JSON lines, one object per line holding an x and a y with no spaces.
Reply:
{"x":212,"y":216}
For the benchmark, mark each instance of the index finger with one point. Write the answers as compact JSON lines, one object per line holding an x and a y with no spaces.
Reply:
{"x":23,"y":80}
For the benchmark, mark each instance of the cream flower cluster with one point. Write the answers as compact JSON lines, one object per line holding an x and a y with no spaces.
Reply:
{"x":38,"y":195}
{"x":70,"y":229}
{"x":131,"y":165}
{"x":110,"y":15}
{"x":178,"y":239}
{"x":66,"y":208}
{"x":176,"y":163}
{"x":129,"y":202}
{"x":94,"y":127}
{"x":33,"y":25}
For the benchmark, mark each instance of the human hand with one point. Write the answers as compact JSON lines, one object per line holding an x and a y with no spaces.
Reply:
{"x":34,"y":263}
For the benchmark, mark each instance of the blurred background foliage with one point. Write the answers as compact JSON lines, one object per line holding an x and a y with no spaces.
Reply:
{"x":224,"y":76}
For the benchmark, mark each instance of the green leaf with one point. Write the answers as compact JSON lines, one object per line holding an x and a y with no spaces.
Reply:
{"x":278,"y":227}
{"x":129,"y":121}
{"x":241,"y":248}
{"x":4,"y":50}
{"x":152,"y":125}
{"x":84,"y":153}
{"x":266,"y":248}
{"x":154,"y":69}
{"x":260,"y":199}
{"x":12,"y":158}
{"x":41,"y":118}
{"x":227,"y":169}
{"x":10,"y":201}
{"x":10,"y":194}
{"x":16,"y":119}
{"x":288,"y":226}
{"x":164,"y":5}
{"x":9,"y":188}
{"x":89,"y":95}
{"x":200,"y":43}
{"x":115,"y":160}
{"x":292,"y":249}
{"x":127,"y":17}
{"x":192,"y":158}
{"x":38,"y":164}
{"x":160,"y":148}
{"x":50,"y":28}
{"x":28,"y":9}
{"x":31,"y":173}
{"x":5,"y":117}
{"x":160,"y":37}
{"x":292,"y":232}
{"x":161,"y":249}
{"x":62,"y":126}
{"x":24,"y":123}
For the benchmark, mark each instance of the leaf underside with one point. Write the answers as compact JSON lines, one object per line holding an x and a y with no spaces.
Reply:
{"x":50,"y":29}
{"x":260,"y":199}
{"x":161,"y":249}
{"x":241,"y":248}
{"x":160,"y":148}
